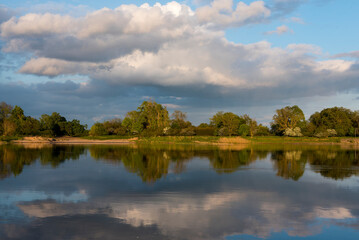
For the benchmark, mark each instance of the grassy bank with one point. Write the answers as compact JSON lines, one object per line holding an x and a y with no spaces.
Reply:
{"x":277,"y":139}
{"x":8,"y":139}
{"x":194,"y":139}
{"x":107,"y":137}
{"x":201,"y":140}
{"x":241,"y":140}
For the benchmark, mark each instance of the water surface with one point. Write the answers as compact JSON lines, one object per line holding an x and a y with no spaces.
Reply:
{"x":178,"y":192}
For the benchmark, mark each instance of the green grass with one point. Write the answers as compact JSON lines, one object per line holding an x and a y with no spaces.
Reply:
{"x":179,"y":139}
{"x":8,"y":138}
{"x":278,"y":139}
{"x":107,"y":137}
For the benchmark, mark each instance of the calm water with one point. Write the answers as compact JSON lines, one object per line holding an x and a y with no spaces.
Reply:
{"x":179,"y":192}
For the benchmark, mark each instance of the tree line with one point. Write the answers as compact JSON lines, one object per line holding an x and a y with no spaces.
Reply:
{"x":153,"y":119}
{"x":13,"y":122}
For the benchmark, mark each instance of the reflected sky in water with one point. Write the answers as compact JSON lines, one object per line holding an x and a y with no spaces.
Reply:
{"x":179,"y":192}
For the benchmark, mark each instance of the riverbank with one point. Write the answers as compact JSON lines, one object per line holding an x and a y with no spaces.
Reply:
{"x":211,"y":140}
{"x":72,"y":140}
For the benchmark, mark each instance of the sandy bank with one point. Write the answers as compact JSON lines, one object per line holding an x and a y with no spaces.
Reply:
{"x":72,"y":140}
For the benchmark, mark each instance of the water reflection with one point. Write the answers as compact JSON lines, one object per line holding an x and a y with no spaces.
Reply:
{"x":152,"y":163}
{"x":13,"y":158}
{"x":195,"y":192}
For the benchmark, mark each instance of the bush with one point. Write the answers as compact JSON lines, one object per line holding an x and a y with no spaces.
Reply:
{"x":326,"y":133}
{"x":205,"y":131}
{"x":188,"y":131}
{"x":293,"y":132}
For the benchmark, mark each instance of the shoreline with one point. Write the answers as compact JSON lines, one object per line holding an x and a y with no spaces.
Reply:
{"x":202,"y":140}
{"x":71,"y":140}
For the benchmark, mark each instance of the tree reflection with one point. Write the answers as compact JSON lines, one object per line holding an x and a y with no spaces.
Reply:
{"x":289,"y":164}
{"x":336,"y":164}
{"x":153,"y":162}
{"x":13,"y":158}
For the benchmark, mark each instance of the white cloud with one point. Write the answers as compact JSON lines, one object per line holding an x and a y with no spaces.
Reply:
{"x":221,"y":13}
{"x":333,"y":213}
{"x":176,"y":51}
{"x":280,"y":30}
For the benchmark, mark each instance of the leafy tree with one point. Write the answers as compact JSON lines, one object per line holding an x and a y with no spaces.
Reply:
{"x":287,"y":117}
{"x":337,"y":118}
{"x":18,"y":118}
{"x":179,"y":125}
{"x":155,"y":117}
{"x":98,"y":129}
{"x":251,"y":123}
{"x":53,"y":125}
{"x":30,"y":126}
{"x":133,"y":122}
{"x":226,"y":123}
{"x":150,"y":119}
{"x":5,"y":111}
{"x":75,"y":128}
{"x":244,"y":130}
{"x":262,"y":130}
{"x":114,"y":127}
{"x":9,"y":127}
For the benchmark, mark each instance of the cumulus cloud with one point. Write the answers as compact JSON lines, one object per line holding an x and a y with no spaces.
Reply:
{"x":221,"y":13}
{"x":172,"y":50}
{"x":353,"y":54}
{"x":280,"y":30}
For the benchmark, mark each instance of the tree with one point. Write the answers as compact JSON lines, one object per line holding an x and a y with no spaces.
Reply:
{"x":53,"y":125}
{"x":97,"y":129}
{"x":5,"y":111}
{"x":150,"y":119}
{"x":226,"y":123}
{"x":114,"y":127}
{"x":179,"y":125}
{"x":75,"y":128}
{"x":9,"y":127}
{"x":155,"y":117}
{"x":262,"y":130}
{"x":133,"y":122}
{"x":287,"y":117}
{"x":251,"y":123}
{"x":30,"y":126}
{"x":337,"y":118}
{"x":18,"y":118}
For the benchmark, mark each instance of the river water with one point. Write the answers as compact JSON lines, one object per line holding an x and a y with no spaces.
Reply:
{"x":179,"y":192}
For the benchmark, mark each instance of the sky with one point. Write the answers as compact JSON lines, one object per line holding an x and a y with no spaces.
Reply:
{"x":97,"y":60}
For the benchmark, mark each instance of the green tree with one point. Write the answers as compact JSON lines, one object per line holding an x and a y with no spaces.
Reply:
{"x":5,"y":111}
{"x":226,"y":124}
{"x":74,"y":128}
{"x":98,"y":129}
{"x":287,"y":117}
{"x":30,"y":126}
{"x":18,"y":118}
{"x":262,"y":130}
{"x":53,"y":125}
{"x":179,"y":125}
{"x":337,"y":118}
{"x":114,"y":127}
{"x":133,"y":122}
{"x":150,"y":119}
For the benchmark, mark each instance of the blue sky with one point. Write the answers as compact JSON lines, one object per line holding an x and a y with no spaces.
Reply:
{"x":199,"y":56}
